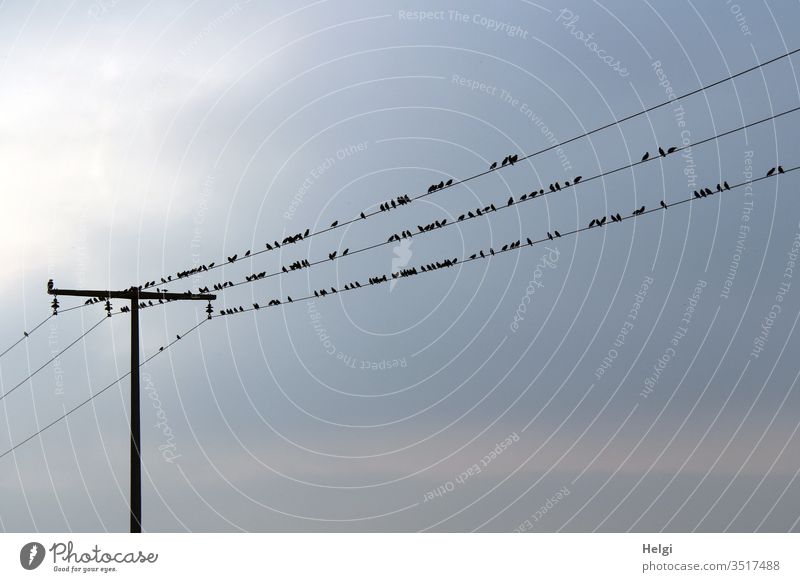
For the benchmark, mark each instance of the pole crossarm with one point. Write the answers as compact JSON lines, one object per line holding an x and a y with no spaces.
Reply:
{"x":134,"y":294}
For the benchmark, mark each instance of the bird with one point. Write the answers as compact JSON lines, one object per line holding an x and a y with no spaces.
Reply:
{"x":645,"y":156}
{"x":725,"y":185}
{"x":178,"y":336}
{"x":780,"y":169}
{"x":232,"y":259}
{"x":530,"y":242}
{"x":364,"y":216}
{"x":552,"y":188}
{"x":558,"y":234}
{"x":25,"y":333}
{"x":510,"y":201}
{"x":256,"y":306}
{"x":441,"y":185}
{"x":334,"y":223}
{"x":505,"y":161}
{"x":449,"y":182}
{"x":247,"y":254}
{"x":493,"y":166}
{"x":557,"y":186}
{"x":513,"y":159}
{"x":772,"y":171}
{"x":269,"y":246}
{"x":550,"y":236}
{"x":593,"y":222}
{"x":578,"y":179}
{"x":601,"y":222}
{"x":663,"y":204}
{"x":345,"y":251}
{"x":332,"y":255}
{"x":662,"y":153}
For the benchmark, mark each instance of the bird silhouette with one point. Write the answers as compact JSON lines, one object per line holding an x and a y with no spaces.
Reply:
{"x":780,"y":169}
{"x":558,"y":234}
{"x":232,"y":259}
{"x":552,"y":188}
{"x":601,"y":222}
{"x":441,"y":185}
{"x":663,"y":204}
{"x":510,"y":201}
{"x":578,"y":179}
{"x":332,"y":255}
{"x":662,"y":153}
{"x":646,"y":156}
{"x":493,"y":166}
{"x":772,"y":171}
{"x":505,"y":161}
{"x":247,"y":254}
{"x":449,"y":182}
{"x":725,"y":185}
{"x":178,"y":336}
{"x":593,"y":222}
{"x":530,"y":242}
{"x":363,"y":215}
{"x":557,"y":186}
{"x":513,"y":159}
{"x":345,"y":251}
{"x":549,"y":236}
{"x":334,"y":223}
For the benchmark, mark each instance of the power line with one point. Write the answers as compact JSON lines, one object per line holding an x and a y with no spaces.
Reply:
{"x":452,"y":183}
{"x":465,"y":217}
{"x":27,"y":334}
{"x":508,"y":248}
{"x":96,"y":394}
{"x":40,"y":368}
{"x":195,"y":327}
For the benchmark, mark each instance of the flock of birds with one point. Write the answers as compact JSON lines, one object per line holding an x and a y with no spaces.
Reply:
{"x":407,"y":233}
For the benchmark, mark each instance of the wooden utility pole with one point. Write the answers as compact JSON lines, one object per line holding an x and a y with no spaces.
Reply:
{"x":136,"y":296}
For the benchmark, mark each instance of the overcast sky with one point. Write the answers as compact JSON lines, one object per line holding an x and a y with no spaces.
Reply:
{"x":640,"y":376}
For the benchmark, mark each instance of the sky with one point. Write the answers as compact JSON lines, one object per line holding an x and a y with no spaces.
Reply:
{"x":638,"y":376}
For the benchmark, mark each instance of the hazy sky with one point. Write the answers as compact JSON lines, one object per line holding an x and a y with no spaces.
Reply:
{"x":640,"y":376}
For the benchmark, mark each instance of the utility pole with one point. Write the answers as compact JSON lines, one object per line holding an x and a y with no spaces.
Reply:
{"x":135,"y":295}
